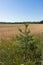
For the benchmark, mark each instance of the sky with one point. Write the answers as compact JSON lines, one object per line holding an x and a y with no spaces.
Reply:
{"x":21,"y":10}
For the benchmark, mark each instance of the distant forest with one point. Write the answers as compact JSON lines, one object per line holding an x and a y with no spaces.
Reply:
{"x":26,"y":22}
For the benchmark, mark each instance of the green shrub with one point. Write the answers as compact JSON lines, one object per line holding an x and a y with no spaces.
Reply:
{"x":28,"y":48}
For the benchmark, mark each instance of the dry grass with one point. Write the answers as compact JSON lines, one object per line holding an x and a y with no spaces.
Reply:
{"x":9,"y":30}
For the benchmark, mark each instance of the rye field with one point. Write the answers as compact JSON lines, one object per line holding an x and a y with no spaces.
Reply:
{"x":7,"y":31}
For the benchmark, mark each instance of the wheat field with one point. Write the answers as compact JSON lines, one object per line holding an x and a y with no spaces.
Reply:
{"x":8,"y":31}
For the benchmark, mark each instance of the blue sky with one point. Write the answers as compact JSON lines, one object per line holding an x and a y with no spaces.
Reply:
{"x":21,"y":10}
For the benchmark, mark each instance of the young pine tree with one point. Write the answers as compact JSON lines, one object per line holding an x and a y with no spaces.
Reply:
{"x":27,"y":50}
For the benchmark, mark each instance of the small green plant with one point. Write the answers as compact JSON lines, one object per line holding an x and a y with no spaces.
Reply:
{"x":27,"y":48}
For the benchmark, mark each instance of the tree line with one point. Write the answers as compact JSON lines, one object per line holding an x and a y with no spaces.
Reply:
{"x":25,"y":22}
